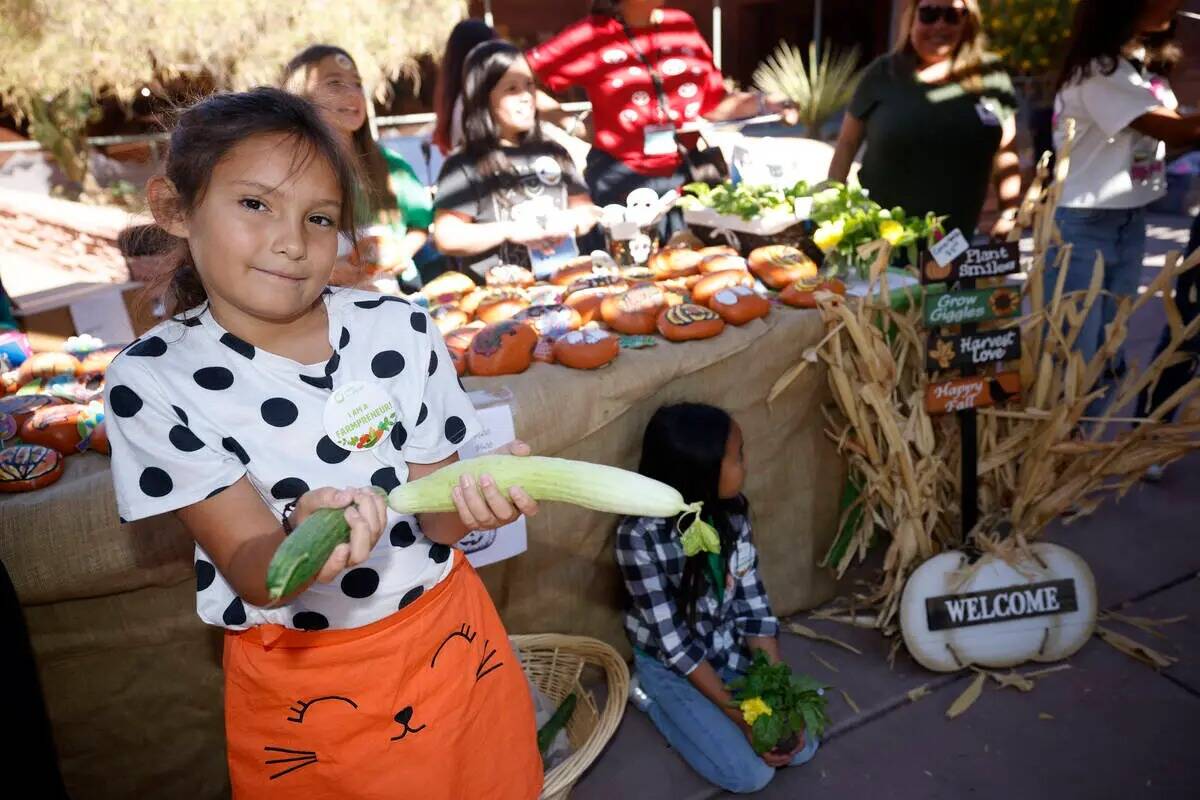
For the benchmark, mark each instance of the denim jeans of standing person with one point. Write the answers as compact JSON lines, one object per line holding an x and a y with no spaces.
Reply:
{"x":1174,"y":377}
{"x":1119,"y":235}
{"x":702,"y":734}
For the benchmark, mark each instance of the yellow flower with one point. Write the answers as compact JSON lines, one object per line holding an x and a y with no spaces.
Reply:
{"x":891,"y":230}
{"x":829,"y":235}
{"x":754,"y":708}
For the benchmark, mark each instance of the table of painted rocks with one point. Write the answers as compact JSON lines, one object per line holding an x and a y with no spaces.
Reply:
{"x":132,"y":677}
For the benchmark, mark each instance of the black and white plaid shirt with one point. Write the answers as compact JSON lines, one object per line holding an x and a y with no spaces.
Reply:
{"x":651,"y":559}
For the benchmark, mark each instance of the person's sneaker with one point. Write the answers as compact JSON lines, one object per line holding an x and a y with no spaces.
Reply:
{"x":1154,"y":473}
{"x":637,"y":695}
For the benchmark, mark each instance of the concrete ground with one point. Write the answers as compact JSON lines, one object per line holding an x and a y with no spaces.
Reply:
{"x":1108,"y":727}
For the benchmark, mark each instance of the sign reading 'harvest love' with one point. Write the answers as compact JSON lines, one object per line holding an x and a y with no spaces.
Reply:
{"x":972,"y":349}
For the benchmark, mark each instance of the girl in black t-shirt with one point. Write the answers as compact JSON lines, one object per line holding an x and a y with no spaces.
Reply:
{"x":508,"y":191}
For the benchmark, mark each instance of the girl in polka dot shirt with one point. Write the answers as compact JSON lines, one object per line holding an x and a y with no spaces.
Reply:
{"x":391,"y":674}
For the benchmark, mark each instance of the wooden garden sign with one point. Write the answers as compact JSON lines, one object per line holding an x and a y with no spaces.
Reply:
{"x":991,"y":261}
{"x":953,"y":261}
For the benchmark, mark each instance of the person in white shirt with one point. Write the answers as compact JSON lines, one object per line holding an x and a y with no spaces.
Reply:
{"x":1125,"y":116}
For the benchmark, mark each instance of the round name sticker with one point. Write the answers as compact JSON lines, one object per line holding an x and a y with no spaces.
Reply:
{"x":359,"y":416}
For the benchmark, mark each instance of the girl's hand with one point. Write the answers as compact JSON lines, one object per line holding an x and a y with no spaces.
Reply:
{"x":777,"y":760}
{"x":482,"y":506}
{"x":531,"y":234}
{"x":366,"y":513}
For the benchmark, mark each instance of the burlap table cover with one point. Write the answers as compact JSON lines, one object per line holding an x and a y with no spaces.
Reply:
{"x":132,"y":678}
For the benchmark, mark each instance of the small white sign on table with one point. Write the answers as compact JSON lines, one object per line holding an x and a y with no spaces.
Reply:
{"x":490,"y":546}
{"x":103,"y":315}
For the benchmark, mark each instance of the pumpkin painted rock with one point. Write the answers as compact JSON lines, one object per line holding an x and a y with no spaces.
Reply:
{"x":683,"y":323}
{"x":551,"y":321}
{"x":777,"y":265}
{"x":39,"y":365}
{"x":803,"y":293}
{"x":587,"y":349}
{"x":635,"y":312}
{"x":21,"y":407}
{"x":55,"y":426}
{"x":738,"y":305}
{"x":505,"y":348}
{"x":26,"y":467}
{"x":66,"y":387}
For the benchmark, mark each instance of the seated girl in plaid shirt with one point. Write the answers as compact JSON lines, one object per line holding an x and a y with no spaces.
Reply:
{"x":695,"y":621}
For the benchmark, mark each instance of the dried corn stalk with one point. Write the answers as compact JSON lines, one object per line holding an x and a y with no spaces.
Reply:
{"x":1038,"y":458}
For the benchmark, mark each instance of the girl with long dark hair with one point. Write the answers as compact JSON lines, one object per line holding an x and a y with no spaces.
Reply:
{"x":508,"y":196}
{"x":1125,"y":115}
{"x":393,"y":194}
{"x":694,"y":621}
{"x":447,"y":95}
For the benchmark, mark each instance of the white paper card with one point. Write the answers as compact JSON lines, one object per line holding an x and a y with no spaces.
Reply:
{"x":949,"y":248}
{"x":491,"y":546}
{"x":103,"y":315}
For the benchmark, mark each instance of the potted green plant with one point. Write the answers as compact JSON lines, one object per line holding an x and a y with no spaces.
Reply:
{"x":779,"y":705}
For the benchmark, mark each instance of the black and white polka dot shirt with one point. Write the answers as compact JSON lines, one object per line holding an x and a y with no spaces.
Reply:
{"x":193,"y":408}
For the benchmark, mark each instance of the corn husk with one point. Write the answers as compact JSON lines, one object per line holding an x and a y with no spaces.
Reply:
{"x":1039,"y":457}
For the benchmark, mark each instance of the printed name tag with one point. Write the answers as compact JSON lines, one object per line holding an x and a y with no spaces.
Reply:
{"x":659,"y":140}
{"x":359,"y":415}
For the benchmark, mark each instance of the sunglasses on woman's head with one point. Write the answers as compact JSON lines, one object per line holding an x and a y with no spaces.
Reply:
{"x":929,"y":15}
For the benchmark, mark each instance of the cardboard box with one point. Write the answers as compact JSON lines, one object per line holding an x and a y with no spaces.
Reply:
{"x":113,"y":312}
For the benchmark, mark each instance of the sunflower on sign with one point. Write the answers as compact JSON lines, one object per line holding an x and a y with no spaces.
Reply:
{"x":1004,"y":302}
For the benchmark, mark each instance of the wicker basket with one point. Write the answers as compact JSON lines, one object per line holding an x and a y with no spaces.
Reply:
{"x":555,"y":663}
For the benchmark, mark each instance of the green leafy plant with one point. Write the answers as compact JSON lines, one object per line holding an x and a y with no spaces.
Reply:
{"x":779,"y":704}
{"x":743,"y":200}
{"x":847,"y":218}
{"x":59,"y":124}
{"x":818,"y":88}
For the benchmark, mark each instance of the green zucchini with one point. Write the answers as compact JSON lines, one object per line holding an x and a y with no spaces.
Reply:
{"x":556,"y":723}
{"x":302,"y":554}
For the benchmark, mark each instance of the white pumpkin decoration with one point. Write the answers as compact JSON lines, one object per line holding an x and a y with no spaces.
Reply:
{"x":996,"y":613}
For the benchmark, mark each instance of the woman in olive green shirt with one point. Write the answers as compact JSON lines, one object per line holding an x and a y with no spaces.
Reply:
{"x":937,"y":117}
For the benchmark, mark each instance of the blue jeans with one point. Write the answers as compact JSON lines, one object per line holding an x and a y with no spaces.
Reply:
{"x":1119,"y":235}
{"x":700,"y":732}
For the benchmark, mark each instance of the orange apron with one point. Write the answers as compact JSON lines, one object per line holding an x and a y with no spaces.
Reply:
{"x":428,"y":703}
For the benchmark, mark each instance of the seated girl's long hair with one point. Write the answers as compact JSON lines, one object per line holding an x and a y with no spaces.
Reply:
{"x":683,"y":447}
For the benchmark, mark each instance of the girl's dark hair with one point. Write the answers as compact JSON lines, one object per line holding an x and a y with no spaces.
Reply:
{"x":465,"y":36}
{"x":1099,"y":34}
{"x":483,"y":69}
{"x":203,"y":136}
{"x":372,"y":164}
{"x":606,"y":8}
{"x":683,"y":447}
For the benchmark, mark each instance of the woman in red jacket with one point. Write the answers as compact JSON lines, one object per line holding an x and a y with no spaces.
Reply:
{"x":648,"y":72}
